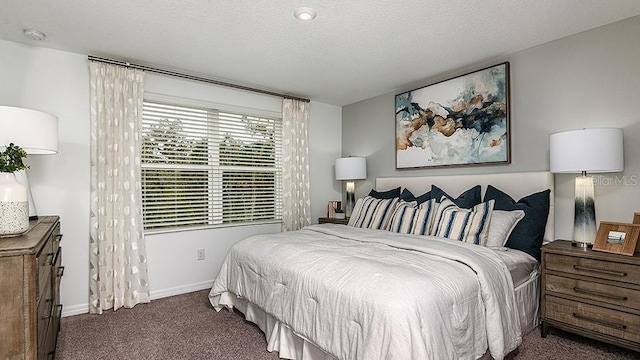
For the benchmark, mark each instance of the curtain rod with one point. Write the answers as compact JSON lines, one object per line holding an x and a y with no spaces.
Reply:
{"x":191,"y":77}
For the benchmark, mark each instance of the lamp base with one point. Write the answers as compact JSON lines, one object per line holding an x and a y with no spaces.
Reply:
{"x":584,"y":223}
{"x":351,"y":198}
{"x":581,"y":245}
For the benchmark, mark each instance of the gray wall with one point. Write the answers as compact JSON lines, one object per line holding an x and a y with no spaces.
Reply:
{"x":591,"y":79}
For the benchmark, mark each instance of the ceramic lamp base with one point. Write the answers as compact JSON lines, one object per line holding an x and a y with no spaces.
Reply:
{"x":584,"y":224}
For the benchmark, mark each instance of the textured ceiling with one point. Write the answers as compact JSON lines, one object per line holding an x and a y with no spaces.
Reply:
{"x":353,"y":50}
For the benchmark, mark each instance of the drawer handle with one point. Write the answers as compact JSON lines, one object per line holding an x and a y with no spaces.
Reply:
{"x":50,"y":301}
{"x":608,"y":272}
{"x":598,"y":293}
{"x":61,"y":272}
{"x":601,"y":322}
{"x":59,"y":237}
{"x":49,"y":260}
{"x":59,"y":307}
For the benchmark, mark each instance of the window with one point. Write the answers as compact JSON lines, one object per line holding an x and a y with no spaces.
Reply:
{"x":205,"y":167}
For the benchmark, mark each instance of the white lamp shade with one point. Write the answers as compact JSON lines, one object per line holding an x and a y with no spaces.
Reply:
{"x":34,"y":131}
{"x":591,"y":150}
{"x":351,"y":168}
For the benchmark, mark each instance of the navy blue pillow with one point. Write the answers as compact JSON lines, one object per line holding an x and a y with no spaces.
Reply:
{"x":466,"y":200}
{"x":389,"y":194}
{"x":528,"y":235}
{"x":408,"y":196}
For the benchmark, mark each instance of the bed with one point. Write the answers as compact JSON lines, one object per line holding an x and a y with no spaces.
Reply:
{"x":347,"y":292}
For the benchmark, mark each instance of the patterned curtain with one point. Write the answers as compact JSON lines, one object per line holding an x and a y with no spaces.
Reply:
{"x":117,"y":260}
{"x":296,"y":209}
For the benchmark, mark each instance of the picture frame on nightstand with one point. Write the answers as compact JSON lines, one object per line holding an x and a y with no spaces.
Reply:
{"x":617,"y":238}
{"x":636,"y":218}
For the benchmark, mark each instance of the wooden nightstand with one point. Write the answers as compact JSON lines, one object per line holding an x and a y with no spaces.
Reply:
{"x":326,"y":220}
{"x":591,"y":293}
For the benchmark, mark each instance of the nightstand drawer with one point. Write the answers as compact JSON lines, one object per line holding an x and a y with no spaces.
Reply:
{"x":602,"y":320}
{"x":595,"y":268}
{"x":595,"y":291}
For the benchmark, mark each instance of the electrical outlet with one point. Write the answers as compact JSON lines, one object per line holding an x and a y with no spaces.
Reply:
{"x":200,"y":253}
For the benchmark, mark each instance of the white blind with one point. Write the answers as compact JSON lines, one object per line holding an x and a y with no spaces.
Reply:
{"x":204,"y":167}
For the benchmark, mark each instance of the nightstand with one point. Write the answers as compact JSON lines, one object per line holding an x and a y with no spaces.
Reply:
{"x":591,"y":293}
{"x":326,"y":220}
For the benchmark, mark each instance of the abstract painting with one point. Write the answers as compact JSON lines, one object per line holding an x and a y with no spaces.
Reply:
{"x":460,"y":121}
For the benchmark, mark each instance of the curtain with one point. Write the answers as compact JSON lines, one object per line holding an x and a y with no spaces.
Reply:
{"x":117,"y":259}
{"x":296,"y":209}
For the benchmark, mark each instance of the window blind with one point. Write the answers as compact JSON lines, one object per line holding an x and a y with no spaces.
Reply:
{"x":206,"y":167}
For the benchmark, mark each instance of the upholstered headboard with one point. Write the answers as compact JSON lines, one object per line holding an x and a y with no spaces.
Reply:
{"x":517,"y":185}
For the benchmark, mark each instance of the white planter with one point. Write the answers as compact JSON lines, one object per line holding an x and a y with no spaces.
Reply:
{"x":14,"y":206}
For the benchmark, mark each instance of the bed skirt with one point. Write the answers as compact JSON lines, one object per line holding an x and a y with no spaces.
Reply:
{"x":291,"y":345}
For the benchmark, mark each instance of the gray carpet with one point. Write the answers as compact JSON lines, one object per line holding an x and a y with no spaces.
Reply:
{"x":187,"y":327}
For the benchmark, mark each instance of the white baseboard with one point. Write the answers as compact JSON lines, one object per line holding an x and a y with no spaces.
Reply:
{"x":75,"y":309}
{"x":154,"y":295}
{"x":159,"y":294}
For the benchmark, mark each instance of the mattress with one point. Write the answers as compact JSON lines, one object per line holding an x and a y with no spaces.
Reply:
{"x":521,"y":265}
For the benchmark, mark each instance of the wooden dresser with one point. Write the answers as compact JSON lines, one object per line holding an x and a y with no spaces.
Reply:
{"x":591,"y":293}
{"x":30,"y":309}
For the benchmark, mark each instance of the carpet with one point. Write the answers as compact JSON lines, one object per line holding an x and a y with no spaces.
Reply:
{"x":187,"y":327}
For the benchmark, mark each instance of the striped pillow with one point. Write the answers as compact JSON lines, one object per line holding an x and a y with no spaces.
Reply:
{"x":375,"y":213}
{"x":411,"y":218}
{"x":468,"y":225}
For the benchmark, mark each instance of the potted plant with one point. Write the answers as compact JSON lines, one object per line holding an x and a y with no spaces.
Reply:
{"x":14,"y":203}
{"x":11,"y":159}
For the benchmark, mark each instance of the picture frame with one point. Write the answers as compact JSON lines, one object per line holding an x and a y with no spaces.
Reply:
{"x":460,"y":121}
{"x":636,"y":218}
{"x":617,"y":238}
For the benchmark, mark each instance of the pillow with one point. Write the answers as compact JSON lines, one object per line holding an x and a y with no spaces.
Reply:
{"x":467,"y":199}
{"x":408,"y":196}
{"x":411,"y":218}
{"x":468,"y":225}
{"x":528,"y":234}
{"x":502,"y":224}
{"x":389,"y":194}
{"x":374,"y":213}
{"x":355,"y":212}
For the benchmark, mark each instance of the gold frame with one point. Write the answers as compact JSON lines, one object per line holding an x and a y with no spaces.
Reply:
{"x":628,"y":245}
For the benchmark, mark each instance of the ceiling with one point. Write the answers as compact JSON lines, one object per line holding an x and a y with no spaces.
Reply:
{"x":352,"y":50}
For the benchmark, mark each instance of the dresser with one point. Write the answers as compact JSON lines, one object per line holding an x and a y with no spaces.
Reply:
{"x":591,"y":293}
{"x":30,"y":273}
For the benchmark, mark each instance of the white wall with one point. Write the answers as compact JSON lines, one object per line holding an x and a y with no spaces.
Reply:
{"x":58,"y":82}
{"x":585,"y":80}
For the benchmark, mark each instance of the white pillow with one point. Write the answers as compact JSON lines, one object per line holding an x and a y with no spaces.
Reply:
{"x":374,"y":213}
{"x":468,"y":225}
{"x":502,"y":224}
{"x":411,"y":218}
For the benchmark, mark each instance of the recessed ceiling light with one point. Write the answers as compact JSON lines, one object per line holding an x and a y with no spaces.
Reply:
{"x":34,"y":34}
{"x":305,"y":13}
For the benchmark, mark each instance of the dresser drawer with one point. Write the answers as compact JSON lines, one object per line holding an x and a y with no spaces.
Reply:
{"x":44,"y":314}
{"x":598,"y":319}
{"x":44,"y":261}
{"x":595,"y":268}
{"x":594,"y":291}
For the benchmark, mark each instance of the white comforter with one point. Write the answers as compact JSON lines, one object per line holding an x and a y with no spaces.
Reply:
{"x":371,"y":294}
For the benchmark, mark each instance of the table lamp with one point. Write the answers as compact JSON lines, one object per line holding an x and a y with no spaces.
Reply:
{"x":350,"y":169}
{"x":585,"y":151}
{"x":36,"y":132}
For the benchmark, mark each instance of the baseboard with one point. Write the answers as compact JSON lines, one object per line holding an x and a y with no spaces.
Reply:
{"x":75,"y":310}
{"x":178,"y":290}
{"x":154,"y":295}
